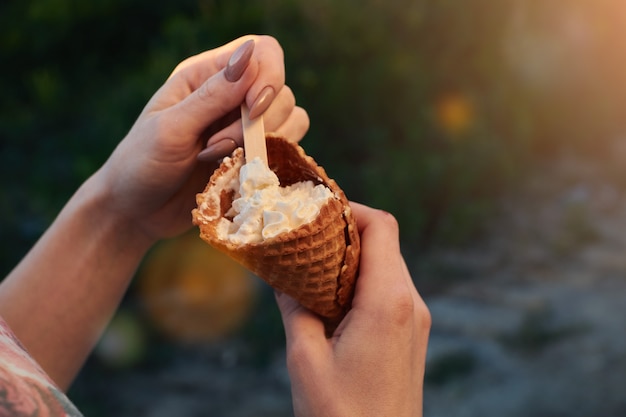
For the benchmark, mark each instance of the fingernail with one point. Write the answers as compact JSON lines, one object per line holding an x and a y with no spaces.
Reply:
{"x":217,"y":150}
{"x":239,"y":61}
{"x":262,"y":102}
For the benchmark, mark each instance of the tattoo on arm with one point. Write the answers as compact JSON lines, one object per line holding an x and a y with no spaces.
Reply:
{"x":21,"y":396}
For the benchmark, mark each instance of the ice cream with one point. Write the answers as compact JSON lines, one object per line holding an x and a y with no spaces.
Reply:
{"x":262,"y":209}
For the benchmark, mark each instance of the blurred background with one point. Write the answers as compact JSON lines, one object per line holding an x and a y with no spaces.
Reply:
{"x":494,"y":130}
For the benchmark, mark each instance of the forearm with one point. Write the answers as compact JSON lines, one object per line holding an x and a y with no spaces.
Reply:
{"x":63,"y":293}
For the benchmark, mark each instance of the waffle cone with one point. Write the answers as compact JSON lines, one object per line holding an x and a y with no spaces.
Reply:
{"x":316,"y":263}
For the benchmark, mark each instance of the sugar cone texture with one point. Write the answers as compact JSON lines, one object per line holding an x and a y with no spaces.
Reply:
{"x":316,"y":263}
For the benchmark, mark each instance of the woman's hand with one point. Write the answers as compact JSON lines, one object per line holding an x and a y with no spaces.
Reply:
{"x":374,"y":363}
{"x":152,"y":177}
{"x":62,"y":294}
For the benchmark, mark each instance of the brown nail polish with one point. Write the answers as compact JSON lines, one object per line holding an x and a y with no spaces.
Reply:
{"x":239,"y":61}
{"x":217,"y":150}
{"x":262,"y":102}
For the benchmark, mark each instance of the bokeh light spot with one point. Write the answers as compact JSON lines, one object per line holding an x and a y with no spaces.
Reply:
{"x":194,"y":294}
{"x":454,"y":113}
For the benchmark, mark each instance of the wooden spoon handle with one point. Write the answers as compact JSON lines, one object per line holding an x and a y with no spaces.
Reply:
{"x":253,"y":136}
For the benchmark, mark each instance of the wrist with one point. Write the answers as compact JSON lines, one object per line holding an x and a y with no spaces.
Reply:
{"x":108,"y":220}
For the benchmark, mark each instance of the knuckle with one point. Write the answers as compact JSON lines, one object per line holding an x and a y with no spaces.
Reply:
{"x":401,"y":310}
{"x":305,"y":121}
{"x":184,"y":64}
{"x":287,"y":90}
{"x":179,"y":67}
{"x":208,"y":94}
{"x":286,"y":94}
{"x":389,"y":220}
{"x":205,"y":92}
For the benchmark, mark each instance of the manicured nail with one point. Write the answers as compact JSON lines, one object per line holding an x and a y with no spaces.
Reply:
{"x":217,"y":150}
{"x":262,"y":102}
{"x":239,"y":61}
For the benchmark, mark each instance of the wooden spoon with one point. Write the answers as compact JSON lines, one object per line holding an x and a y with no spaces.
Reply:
{"x":253,"y":136}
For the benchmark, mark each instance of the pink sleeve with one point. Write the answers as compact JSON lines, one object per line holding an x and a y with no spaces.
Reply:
{"x":25,"y":389}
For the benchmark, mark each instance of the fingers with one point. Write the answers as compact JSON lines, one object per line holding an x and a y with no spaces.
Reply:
{"x":271,"y":74}
{"x":215,"y":98}
{"x":192,"y":73}
{"x":300,"y":324}
{"x":282,"y":118}
{"x":286,"y":119}
{"x":296,"y":125}
{"x":271,"y":79}
{"x":205,"y":88}
{"x":384,"y":288}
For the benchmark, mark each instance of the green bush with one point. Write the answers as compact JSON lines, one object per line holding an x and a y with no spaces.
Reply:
{"x":413,"y":107}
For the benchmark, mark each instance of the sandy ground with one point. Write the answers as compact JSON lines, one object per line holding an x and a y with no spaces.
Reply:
{"x":533,"y":319}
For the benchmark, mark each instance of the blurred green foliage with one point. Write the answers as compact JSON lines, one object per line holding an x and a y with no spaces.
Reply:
{"x":451,"y":366}
{"x":415,"y":107}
